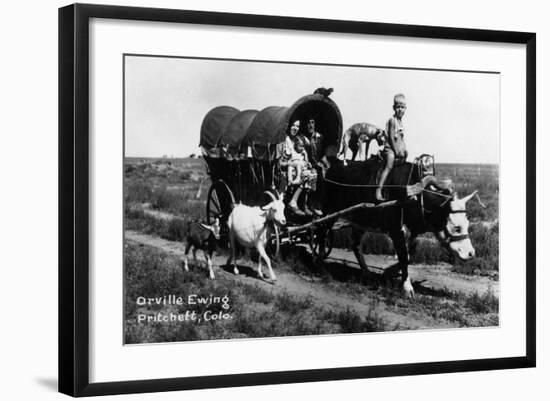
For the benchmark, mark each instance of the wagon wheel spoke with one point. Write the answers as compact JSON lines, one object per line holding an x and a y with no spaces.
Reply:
{"x":216,"y":210}
{"x":274,"y":243}
{"x":321,"y":243}
{"x":219,"y":205}
{"x":315,"y":246}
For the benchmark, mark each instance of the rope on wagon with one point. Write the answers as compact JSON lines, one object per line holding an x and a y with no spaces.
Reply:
{"x":362,"y":185}
{"x":437,"y":193}
{"x":386,"y":186}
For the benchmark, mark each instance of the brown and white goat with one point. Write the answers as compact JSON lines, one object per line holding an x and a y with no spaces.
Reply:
{"x":203,"y":237}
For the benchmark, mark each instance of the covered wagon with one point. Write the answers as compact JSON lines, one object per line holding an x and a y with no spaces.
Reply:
{"x":242,"y":149}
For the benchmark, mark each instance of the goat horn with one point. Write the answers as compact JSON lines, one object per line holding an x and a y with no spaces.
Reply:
{"x":476,"y":195}
{"x":468,"y":197}
{"x":271,"y":195}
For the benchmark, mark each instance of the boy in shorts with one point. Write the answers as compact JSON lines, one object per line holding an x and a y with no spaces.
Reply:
{"x":394,"y":148}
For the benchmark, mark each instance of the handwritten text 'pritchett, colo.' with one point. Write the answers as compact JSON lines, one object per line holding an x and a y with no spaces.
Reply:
{"x":201,"y":308}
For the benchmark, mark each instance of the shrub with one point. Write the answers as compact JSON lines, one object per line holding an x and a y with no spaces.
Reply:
{"x":350,"y":322}
{"x":485,"y":240}
{"x":138,"y":192}
{"x":176,"y":230}
{"x":133,"y":213}
{"x":292,"y":304}
{"x":486,"y":303}
{"x":429,"y":251}
{"x":377,"y":243}
{"x":164,"y":200}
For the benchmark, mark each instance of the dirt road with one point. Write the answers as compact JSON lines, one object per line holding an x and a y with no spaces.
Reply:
{"x":437,"y":277}
{"x":337,"y":295}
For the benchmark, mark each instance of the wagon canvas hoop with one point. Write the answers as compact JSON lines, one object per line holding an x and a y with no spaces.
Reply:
{"x":78,"y":347}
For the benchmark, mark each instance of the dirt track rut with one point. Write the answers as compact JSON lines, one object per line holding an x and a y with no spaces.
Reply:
{"x":334,"y":296}
{"x":437,"y":277}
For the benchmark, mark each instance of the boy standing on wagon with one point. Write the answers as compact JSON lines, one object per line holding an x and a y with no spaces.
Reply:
{"x":394,"y":148}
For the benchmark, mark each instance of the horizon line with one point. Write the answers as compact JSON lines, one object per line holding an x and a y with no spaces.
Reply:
{"x":171,"y":157}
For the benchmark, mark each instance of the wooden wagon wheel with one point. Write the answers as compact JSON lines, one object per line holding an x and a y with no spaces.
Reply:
{"x":274,"y":241}
{"x":219,"y":204}
{"x":321,"y":242}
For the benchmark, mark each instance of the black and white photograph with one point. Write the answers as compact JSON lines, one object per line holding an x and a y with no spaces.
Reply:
{"x":244,"y":200}
{"x":277,"y":199}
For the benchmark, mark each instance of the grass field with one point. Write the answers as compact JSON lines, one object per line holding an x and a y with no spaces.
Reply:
{"x":163,"y":195}
{"x":263,"y":310}
{"x":253,"y":311}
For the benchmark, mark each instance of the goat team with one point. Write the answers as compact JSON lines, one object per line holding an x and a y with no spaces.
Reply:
{"x":249,"y":226}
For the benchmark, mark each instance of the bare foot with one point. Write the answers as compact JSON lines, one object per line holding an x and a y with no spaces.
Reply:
{"x":379,"y":196}
{"x":295,"y":210}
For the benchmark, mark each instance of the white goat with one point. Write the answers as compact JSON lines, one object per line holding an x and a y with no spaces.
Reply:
{"x":249,"y":225}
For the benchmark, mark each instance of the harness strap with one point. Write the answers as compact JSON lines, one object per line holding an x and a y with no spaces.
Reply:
{"x":454,"y":237}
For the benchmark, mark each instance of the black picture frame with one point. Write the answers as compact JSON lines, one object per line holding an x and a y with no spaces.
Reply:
{"x":74,"y":198}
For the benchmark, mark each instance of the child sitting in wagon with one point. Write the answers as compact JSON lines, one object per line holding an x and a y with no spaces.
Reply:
{"x":298,"y":162}
{"x":394,"y":148}
{"x":299,"y":171}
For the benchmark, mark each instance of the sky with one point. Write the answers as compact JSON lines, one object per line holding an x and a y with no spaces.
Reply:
{"x":453,"y":115}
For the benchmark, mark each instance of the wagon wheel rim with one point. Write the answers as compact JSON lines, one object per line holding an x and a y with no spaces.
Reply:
{"x":219,"y":204}
{"x":321,"y":243}
{"x":274,"y":244}
{"x":215,"y":209}
{"x":329,"y":242}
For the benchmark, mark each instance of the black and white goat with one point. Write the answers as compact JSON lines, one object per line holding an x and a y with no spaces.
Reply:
{"x":203,"y":237}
